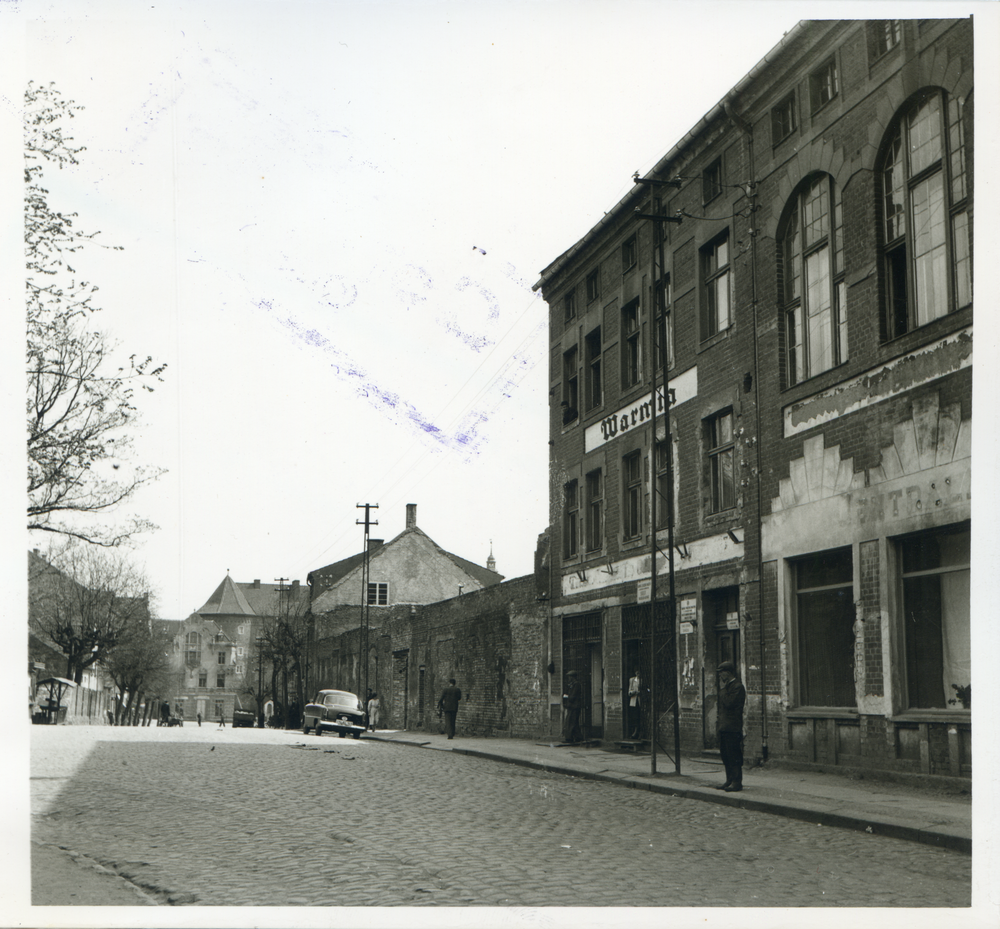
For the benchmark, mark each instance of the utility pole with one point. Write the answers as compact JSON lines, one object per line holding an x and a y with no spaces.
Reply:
{"x":657,"y":239}
{"x":367,"y":523}
{"x":260,"y":682}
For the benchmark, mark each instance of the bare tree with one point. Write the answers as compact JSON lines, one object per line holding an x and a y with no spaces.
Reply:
{"x":79,"y":406}
{"x":85,"y":600}
{"x":139,"y":665}
{"x":285,"y":635}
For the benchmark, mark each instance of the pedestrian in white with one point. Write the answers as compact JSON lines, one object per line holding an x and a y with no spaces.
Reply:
{"x":373,"y":712}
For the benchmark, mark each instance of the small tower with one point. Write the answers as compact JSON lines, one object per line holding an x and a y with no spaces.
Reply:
{"x":491,"y":562}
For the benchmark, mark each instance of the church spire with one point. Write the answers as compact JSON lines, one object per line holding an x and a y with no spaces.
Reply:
{"x":491,"y":562}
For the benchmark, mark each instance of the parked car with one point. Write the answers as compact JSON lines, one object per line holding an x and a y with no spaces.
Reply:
{"x":244,"y":719}
{"x":335,"y":711}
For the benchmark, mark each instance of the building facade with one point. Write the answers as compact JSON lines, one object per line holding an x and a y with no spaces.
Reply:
{"x":796,"y":277}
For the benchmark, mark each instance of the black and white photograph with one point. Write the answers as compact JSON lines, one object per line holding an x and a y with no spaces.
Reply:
{"x":500,"y":464}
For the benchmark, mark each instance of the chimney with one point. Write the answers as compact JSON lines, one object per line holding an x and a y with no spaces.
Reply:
{"x":411,"y":516}
{"x":374,"y":543}
{"x":295,"y":585}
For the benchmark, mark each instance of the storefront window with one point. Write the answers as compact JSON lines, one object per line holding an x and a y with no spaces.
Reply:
{"x":825,"y":624}
{"x":935,"y":574}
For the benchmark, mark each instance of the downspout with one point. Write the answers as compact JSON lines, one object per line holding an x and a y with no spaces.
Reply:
{"x":751,"y":191}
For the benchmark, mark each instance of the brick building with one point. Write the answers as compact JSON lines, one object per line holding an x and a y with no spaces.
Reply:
{"x":807,"y":299}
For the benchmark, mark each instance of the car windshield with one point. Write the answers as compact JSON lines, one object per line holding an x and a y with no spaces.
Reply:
{"x":345,"y":700}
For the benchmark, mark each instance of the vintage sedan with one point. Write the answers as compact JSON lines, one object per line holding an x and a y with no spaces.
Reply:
{"x":335,"y":711}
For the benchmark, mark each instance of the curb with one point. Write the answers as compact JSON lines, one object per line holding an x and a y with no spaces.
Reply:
{"x":956,"y":843}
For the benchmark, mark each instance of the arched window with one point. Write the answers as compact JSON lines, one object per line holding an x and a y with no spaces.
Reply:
{"x":814,"y":299}
{"x":927,"y":250}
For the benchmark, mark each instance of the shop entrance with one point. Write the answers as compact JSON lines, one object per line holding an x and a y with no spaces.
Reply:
{"x":721,"y":613}
{"x":582,"y":653}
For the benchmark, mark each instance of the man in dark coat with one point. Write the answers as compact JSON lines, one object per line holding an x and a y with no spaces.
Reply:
{"x":729,"y":724}
{"x":573,"y":698}
{"x":448,"y":704}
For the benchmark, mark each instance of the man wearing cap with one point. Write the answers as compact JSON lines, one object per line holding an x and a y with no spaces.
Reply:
{"x":729,"y":724}
{"x":573,"y":698}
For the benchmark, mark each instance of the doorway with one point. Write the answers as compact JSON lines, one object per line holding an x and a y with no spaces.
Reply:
{"x":721,"y":619}
{"x":582,"y":653}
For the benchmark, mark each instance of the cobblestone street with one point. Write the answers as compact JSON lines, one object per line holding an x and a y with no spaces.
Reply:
{"x":326,"y":821}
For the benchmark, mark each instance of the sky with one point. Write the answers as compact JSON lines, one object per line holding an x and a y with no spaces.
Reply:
{"x":331,"y":216}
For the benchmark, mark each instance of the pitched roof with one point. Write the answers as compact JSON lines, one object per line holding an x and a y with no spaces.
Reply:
{"x":228,"y":600}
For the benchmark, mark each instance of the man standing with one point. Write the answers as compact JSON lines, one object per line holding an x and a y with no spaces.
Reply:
{"x":573,"y":698}
{"x":732,"y":699}
{"x":449,"y":705}
{"x":633,"y":704}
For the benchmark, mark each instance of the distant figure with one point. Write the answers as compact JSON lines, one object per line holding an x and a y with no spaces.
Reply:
{"x":373,"y":712}
{"x":633,"y":704}
{"x":573,"y":699}
{"x":729,"y":723}
{"x":199,"y":720}
{"x":222,"y":720}
{"x":164,"y":713}
{"x":448,"y":704}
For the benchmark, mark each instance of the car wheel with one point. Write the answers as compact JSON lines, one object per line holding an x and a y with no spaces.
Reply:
{"x":342,"y":734}
{"x":305,"y":729}
{"x":357,"y":735}
{"x":319,"y":728}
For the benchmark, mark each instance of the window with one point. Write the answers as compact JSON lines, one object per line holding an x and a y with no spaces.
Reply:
{"x":883,"y":36}
{"x":192,"y":651}
{"x":378,"y":593}
{"x":631,"y":346}
{"x":722,"y":462}
{"x":569,"y":306}
{"x":783,"y":119}
{"x":218,"y":709}
{"x":595,"y":511}
{"x":662,"y":483}
{"x":595,"y":389}
{"x":632,"y":502}
{"x":593,"y":285}
{"x":239,"y":670}
{"x":927,"y":248}
{"x":239,"y":652}
{"x":203,"y":678}
{"x":814,"y":293}
{"x":824,"y":595}
{"x":823,"y":85}
{"x":571,"y":513}
{"x":935,"y":580}
{"x":664,"y":325}
{"x":711,"y":181}
{"x":630,"y":254}
{"x":220,"y":679}
{"x":571,"y":398}
{"x":222,"y":657}
{"x":715,"y":293}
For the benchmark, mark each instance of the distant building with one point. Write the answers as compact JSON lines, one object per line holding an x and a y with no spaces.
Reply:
{"x":811,"y":313}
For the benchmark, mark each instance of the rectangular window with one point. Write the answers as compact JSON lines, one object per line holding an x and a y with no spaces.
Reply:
{"x":595,"y":511}
{"x":884,"y":35}
{"x":203,"y":679}
{"x":722,"y":461}
{"x":935,"y":581}
{"x":783,"y":119}
{"x":664,"y":326}
{"x":630,"y":254}
{"x":823,"y":85}
{"x":239,"y":652}
{"x":222,"y":658}
{"x":571,"y":395}
{"x":632,"y":495}
{"x":716,"y":288}
{"x":711,"y":181}
{"x":595,"y":387}
{"x":593,"y":285}
{"x":220,"y":680}
{"x":569,"y":306}
{"x":631,"y":346}
{"x":824,"y":595}
{"x":571,"y":519}
{"x":378,"y":593}
{"x":662,"y":483}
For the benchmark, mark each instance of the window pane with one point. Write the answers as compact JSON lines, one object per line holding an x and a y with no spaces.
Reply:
{"x":925,"y":134}
{"x":793,"y":323}
{"x":818,"y":307}
{"x":721,"y":290}
{"x":791,"y":252}
{"x":892,"y":182}
{"x":956,"y":145}
{"x":963,"y":259}
{"x":929,"y":250}
{"x":826,"y":570}
{"x":841,"y":295}
{"x":816,"y":212}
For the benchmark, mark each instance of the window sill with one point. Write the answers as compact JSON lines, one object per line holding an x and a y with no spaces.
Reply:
{"x":713,"y":339}
{"x":822,"y":712}
{"x":932,"y":716}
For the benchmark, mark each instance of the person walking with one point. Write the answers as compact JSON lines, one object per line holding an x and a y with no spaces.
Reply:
{"x":222,"y":720}
{"x":373,"y":712}
{"x":199,"y":720}
{"x":729,"y":724}
{"x":633,"y":704}
{"x":573,"y":699}
{"x":448,"y":704}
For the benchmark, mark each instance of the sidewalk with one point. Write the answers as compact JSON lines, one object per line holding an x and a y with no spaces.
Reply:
{"x":941,"y":818}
